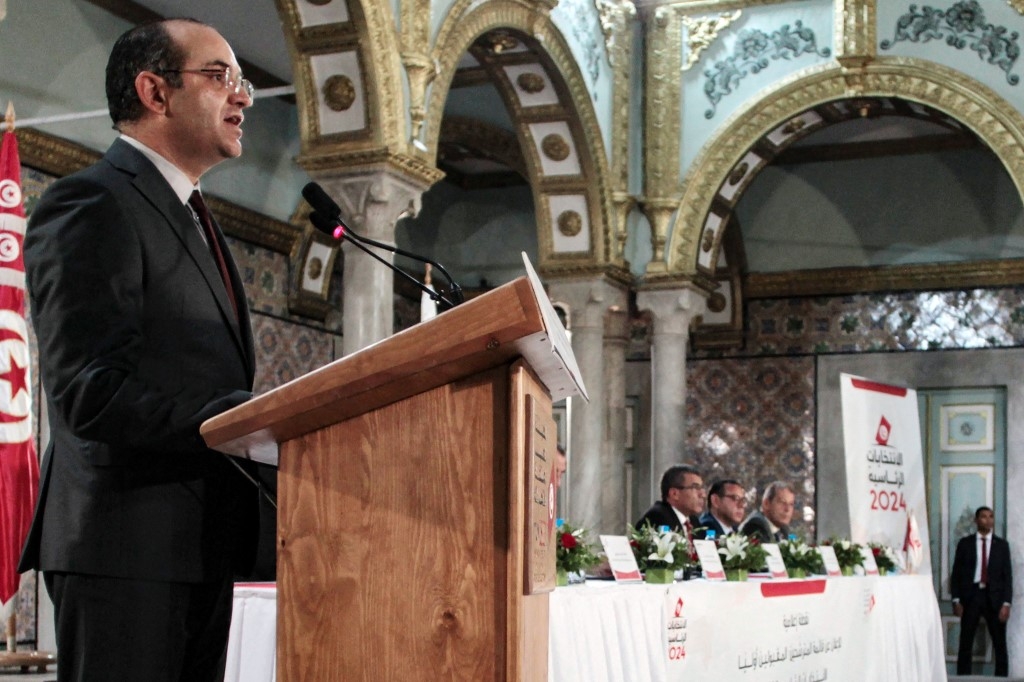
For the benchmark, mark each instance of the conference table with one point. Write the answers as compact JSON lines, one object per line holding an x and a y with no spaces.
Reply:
{"x":850,"y":628}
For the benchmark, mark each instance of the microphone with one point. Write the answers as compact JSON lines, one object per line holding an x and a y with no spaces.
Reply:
{"x":326,"y":217}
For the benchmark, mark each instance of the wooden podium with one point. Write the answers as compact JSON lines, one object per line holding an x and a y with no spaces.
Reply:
{"x":416,"y":497}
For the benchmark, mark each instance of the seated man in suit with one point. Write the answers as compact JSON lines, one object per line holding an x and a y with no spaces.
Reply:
{"x":726,"y":503}
{"x":771,"y":523}
{"x":682,"y":499}
{"x":982,"y":587}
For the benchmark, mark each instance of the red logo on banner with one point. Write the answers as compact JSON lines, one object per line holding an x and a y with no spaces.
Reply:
{"x":882,"y":435}
{"x":679,"y":607}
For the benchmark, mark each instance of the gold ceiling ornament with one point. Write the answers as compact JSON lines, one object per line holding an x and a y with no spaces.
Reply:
{"x":570,"y":223}
{"x":708,"y":242}
{"x":499,"y":41}
{"x":315,"y":268}
{"x":1016,"y":4}
{"x":700,"y":33}
{"x":794,"y":126}
{"x":318,"y":3}
{"x":555,"y":147}
{"x":738,"y":173}
{"x":339,"y":93}
{"x":717,"y":302}
{"x":530,"y":82}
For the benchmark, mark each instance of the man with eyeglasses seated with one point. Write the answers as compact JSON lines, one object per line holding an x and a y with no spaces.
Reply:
{"x":726,"y":505}
{"x":144,"y":334}
{"x":682,"y":499}
{"x":771,"y":523}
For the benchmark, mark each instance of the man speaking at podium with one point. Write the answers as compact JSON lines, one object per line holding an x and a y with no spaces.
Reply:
{"x":143,"y":334}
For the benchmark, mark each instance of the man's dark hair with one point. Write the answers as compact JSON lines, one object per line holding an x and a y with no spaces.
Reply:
{"x":673,"y":476}
{"x":148,"y":47}
{"x":718,"y":487}
{"x":978,"y":511}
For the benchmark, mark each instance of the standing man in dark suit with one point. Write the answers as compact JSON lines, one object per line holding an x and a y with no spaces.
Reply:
{"x":143,"y":334}
{"x":682,"y":500}
{"x":982,"y":587}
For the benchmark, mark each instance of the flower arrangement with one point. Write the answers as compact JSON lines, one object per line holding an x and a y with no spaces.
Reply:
{"x":847,"y":553}
{"x":800,"y":558}
{"x":659,"y":549}
{"x":741,"y":552}
{"x":574,"y":552}
{"x":885,"y":557}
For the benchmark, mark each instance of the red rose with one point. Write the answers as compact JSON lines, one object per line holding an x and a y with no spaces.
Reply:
{"x":876,"y":551}
{"x":567,"y":540}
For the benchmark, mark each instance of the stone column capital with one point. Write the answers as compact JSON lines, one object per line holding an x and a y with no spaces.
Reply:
{"x":589,"y":300}
{"x":672,"y":309}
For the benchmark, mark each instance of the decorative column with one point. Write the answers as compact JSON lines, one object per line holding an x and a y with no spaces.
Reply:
{"x":613,"y":470}
{"x":371,"y":203}
{"x":588,"y":302}
{"x":672,"y":311}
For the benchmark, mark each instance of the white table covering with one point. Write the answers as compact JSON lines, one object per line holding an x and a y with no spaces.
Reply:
{"x":882,"y":629}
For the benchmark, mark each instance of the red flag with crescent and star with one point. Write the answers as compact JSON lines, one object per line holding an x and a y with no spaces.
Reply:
{"x":19,"y":467}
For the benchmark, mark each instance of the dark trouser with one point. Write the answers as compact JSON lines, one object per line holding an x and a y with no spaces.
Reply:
{"x":977,"y":605}
{"x":114,"y":629}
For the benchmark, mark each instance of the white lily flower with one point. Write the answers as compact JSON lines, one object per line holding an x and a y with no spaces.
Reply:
{"x":664,"y":544}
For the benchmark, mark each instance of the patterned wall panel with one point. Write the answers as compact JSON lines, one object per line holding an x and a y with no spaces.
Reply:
{"x":753,"y":420}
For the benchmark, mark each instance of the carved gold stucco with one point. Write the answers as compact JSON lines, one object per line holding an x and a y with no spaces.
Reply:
{"x":613,"y":14}
{"x":419,"y":67}
{"x":496,"y":143}
{"x":319,"y":3}
{"x":530,"y":82}
{"x":1017,"y":5}
{"x":339,"y":93}
{"x":570,"y":223}
{"x":700,"y":33}
{"x":460,"y":29}
{"x":855,"y":31}
{"x":996,"y":123}
{"x":620,"y":54}
{"x":662,"y":132}
{"x":555,"y":147}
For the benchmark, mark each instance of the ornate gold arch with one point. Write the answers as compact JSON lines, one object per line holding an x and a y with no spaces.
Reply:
{"x":461,"y":28}
{"x":371,"y":31}
{"x":993,"y":120}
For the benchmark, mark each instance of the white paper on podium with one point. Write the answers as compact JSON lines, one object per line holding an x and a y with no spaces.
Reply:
{"x":557,"y":343}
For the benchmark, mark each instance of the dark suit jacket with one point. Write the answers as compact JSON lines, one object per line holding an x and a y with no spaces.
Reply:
{"x":1000,"y":574}
{"x":708,"y":522}
{"x":757,"y":526}
{"x":138,"y":345}
{"x":661,"y":514}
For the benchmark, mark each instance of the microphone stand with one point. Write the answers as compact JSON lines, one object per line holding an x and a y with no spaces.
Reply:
{"x":454,"y":290}
{"x":330,"y":227}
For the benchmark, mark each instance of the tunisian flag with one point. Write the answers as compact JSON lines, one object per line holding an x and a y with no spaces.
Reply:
{"x":19,"y":468}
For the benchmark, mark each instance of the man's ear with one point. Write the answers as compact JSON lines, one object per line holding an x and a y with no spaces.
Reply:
{"x":152,"y":91}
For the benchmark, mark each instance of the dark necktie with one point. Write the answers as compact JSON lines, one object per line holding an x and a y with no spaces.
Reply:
{"x":203,"y":214}
{"x":984,"y":561}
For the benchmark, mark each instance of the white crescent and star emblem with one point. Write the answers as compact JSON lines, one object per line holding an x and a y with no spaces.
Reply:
{"x":15,"y":405}
{"x":10,"y":194}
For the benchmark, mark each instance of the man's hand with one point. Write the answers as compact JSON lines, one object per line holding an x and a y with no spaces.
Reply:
{"x":1004,"y":613}
{"x":958,"y":610}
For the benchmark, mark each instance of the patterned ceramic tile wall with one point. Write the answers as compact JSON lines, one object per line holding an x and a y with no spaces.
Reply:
{"x":752,"y":419}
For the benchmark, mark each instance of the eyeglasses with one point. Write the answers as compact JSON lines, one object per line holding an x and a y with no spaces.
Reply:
{"x":226,"y":75}
{"x":738,"y":499}
{"x":692,"y":486}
